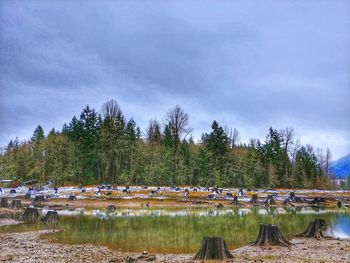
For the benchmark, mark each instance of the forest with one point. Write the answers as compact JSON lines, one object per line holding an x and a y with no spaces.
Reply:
{"x":106,"y":148}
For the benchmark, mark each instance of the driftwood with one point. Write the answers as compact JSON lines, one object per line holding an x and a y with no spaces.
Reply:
{"x":315,"y":229}
{"x":254,"y":199}
{"x":145,"y":256}
{"x":269,"y":200}
{"x":16,"y":204}
{"x":317,"y":201}
{"x":293,"y":199}
{"x":4,"y":202}
{"x":270,"y":235}
{"x":213,"y":248}
{"x":51,"y":218}
{"x":31,"y":214}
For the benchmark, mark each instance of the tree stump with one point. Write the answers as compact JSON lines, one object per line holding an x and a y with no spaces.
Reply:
{"x":72,"y":197}
{"x":31,"y":214}
{"x":269,"y":200}
{"x":4,"y":202}
{"x":213,"y":248}
{"x":270,"y":235}
{"x":240,"y":192}
{"x":220,"y":206}
{"x":294,"y":199}
{"x":16,"y":204}
{"x":235,"y":200}
{"x":315,"y":229}
{"x":38,"y":199}
{"x":254,"y":199}
{"x":111,"y":208}
{"x":51,"y":218}
{"x":339,"y":204}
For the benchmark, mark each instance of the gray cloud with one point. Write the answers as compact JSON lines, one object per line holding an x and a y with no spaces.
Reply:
{"x":248,"y":64}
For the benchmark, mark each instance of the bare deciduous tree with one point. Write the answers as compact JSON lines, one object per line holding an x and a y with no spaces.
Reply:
{"x":153,"y":131}
{"x":287,"y":139}
{"x":178,"y":122}
{"x":233,"y":135}
{"x":111,"y":110}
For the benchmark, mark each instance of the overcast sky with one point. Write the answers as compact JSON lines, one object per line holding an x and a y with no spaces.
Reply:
{"x":247,"y":64}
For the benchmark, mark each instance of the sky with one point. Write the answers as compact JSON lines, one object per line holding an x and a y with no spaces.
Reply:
{"x":247,"y":64}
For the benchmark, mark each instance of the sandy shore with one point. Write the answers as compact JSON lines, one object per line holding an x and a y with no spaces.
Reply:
{"x":29,"y":247}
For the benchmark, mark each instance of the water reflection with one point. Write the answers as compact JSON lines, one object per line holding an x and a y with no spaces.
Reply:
{"x":181,"y":230}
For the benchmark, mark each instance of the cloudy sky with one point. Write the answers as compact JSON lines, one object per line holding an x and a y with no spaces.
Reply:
{"x":247,"y":64}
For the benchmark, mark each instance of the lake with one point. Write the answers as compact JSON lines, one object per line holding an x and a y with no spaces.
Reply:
{"x":181,"y":230}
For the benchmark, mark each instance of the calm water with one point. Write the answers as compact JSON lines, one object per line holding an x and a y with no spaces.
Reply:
{"x":181,"y":230}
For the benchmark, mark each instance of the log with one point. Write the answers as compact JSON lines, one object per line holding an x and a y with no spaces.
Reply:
{"x":315,"y":229}
{"x":254,"y":199}
{"x":4,"y":202}
{"x":269,"y":200}
{"x":270,"y":235}
{"x":31,"y":214}
{"x":51,"y":218}
{"x":16,"y":204}
{"x":317,"y":201}
{"x":213,"y":248}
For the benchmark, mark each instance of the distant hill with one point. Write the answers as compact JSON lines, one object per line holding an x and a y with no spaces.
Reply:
{"x":341,"y":167}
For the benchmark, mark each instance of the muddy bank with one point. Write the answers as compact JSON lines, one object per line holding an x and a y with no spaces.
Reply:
{"x":29,"y":247}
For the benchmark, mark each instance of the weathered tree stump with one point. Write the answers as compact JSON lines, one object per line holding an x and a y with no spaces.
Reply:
{"x":294,"y":199}
{"x":4,"y":202}
{"x":111,"y":208}
{"x":254,"y":199}
{"x":270,"y":235}
{"x":72,"y":197}
{"x":51,"y":218}
{"x":269,"y":200}
{"x":31,"y":214}
{"x":235,"y":200}
{"x":213,"y":248}
{"x":339,"y":204}
{"x":315,"y":229}
{"x":220,"y":206}
{"x":38,"y":199}
{"x":16,"y":204}
{"x":240,"y":192}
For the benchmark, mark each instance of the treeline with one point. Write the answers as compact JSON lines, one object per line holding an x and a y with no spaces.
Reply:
{"x":108,"y":148}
